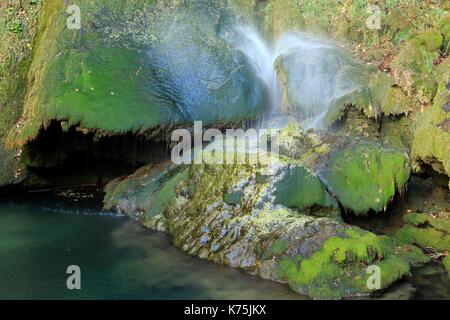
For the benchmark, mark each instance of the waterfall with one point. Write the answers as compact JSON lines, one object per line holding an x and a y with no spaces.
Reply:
{"x":318,"y":72}
{"x":262,"y":58}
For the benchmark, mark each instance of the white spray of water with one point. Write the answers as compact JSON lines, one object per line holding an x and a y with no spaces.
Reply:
{"x":318,"y":71}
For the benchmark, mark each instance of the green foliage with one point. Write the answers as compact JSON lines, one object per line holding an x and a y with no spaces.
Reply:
{"x":16,"y":27}
{"x":366,"y":176}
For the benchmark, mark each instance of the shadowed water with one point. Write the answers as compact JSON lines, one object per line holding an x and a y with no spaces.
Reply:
{"x":118,"y":259}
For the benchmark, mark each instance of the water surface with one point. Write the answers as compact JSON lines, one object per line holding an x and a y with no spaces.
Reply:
{"x":41,"y":236}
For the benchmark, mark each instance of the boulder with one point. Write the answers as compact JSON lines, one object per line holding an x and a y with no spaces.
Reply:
{"x":284,"y":227}
{"x":138,"y":67}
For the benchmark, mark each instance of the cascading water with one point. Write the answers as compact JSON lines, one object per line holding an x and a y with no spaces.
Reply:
{"x":262,"y":58}
{"x":318,"y":72}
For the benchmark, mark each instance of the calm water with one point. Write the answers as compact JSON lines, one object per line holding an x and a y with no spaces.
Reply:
{"x":121,"y":260}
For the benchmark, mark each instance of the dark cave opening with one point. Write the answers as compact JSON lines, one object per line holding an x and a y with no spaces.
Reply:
{"x":426,"y":191}
{"x":76,"y":157}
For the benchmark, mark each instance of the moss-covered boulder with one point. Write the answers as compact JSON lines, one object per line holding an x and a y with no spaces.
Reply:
{"x":300,"y":188}
{"x":431,"y":138}
{"x":366,"y":176}
{"x":342,"y":262}
{"x":428,"y":231}
{"x":138,"y":66}
{"x":389,"y":99}
{"x":273,"y":219}
{"x":413,"y":68}
{"x":144,"y":199}
{"x":18,"y":28}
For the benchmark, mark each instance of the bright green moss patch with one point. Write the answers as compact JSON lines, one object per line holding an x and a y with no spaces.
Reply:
{"x":366,"y":176}
{"x":423,"y":220}
{"x":416,"y":219}
{"x":340,"y":266}
{"x":431,"y":39}
{"x":430,"y":232}
{"x":300,"y":188}
{"x":426,"y":238}
{"x":93,"y":89}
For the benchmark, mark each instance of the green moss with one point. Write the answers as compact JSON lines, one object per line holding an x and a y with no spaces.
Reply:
{"x":431,"y":142}
{"x":91,"y":89}
{"x":125,"y":73}
{"x":339,"y":267}
{"x":300,"y":188}
{"x":416,"y":219}
{"x":427,"y":238}
{"x":444,"y":26}
{"x":423,"y":220}
{"x":430,"y":39}
{"x":18,"y":28}
{"x":279,"y":246}
{"x":282,"y":16}
{"x":366,"y":176}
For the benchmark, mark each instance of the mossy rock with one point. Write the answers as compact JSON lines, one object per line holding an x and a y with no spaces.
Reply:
{"x":431,"y":140}
{"x":427,"y":231}
{"x":413,"y":68}
{"x":321,"y":80}
{"x":340,"y":266}
{"x":145,"y":194}
{"x":387,"y":98}
{"x":430,"y":39}
{"x":138,"y":67}
{"x":300,"y":188}
{"x":316,"y":255}
{"x":366,"y":176}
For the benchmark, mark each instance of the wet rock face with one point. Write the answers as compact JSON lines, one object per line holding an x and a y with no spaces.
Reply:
{"x":275,"y":220}
{"x":138,"y":67}
{"x":320,"y":79}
